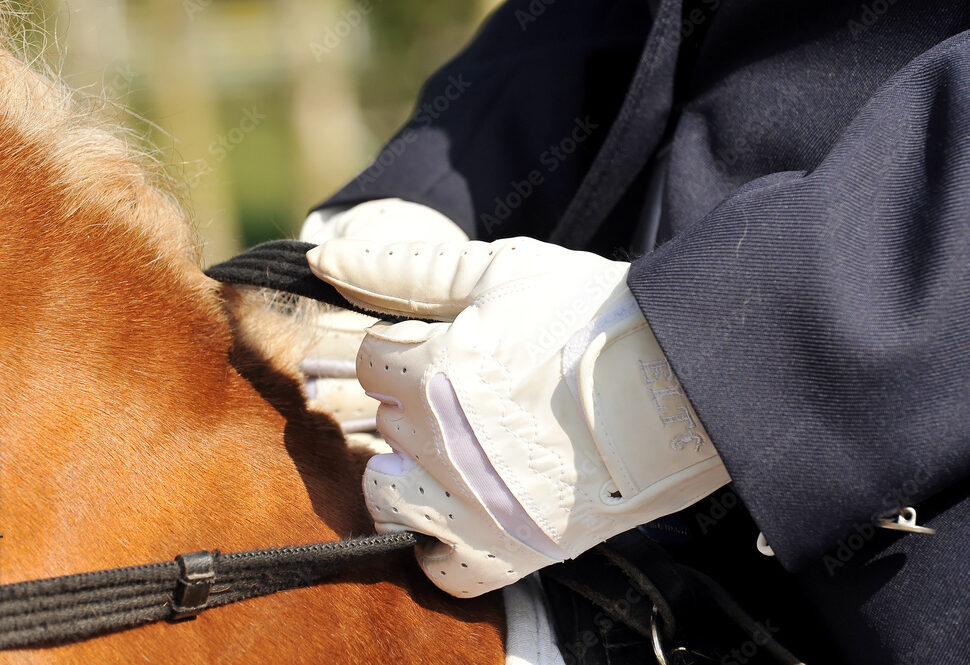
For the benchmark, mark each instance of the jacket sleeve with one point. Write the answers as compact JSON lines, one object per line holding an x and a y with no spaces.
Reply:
{"x":501,"y":136}
{"x":820,"y":321}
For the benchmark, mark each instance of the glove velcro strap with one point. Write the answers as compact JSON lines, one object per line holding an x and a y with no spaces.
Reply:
{"x":644,"y":427}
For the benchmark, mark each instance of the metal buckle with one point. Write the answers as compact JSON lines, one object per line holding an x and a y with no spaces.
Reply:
{"x":677,"y":655}
{"x":197,"y":573}
{"x":658,"y":648}
{"x":905,"y":521}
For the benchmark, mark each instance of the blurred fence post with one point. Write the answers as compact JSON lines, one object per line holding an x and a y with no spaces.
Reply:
{"x":183,"y":99}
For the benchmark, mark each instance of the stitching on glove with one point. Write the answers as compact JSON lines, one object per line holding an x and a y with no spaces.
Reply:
{"x":509,"y":477}
{"x":500,"y":291}
{"x":525,"y":284}
{"x":474,"y":464}
{"x":441,"y":363}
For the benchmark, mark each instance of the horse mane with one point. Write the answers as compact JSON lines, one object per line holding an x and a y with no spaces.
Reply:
{"x":103,"y":169}
{"x":96,"y":160}
{"x":107,"y":310}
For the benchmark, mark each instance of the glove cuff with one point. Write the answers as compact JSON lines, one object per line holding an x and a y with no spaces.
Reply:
{"x":644,"y":427}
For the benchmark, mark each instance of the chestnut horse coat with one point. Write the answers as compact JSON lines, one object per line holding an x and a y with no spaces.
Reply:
{"x":147,"y":411}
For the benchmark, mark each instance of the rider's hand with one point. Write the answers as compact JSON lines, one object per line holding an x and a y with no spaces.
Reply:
{"x":537,"y":418}
{"x":331,"y":381}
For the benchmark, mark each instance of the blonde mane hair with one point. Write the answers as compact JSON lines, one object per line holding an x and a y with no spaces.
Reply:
{"x":105,"y":171}
{"x":95,"y":159}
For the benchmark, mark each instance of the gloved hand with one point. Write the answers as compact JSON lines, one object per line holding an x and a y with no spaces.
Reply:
{"x":330,"y":377}
{"x":536,"y":419}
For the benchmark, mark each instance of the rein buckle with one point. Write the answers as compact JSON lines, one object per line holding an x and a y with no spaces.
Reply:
{"x":197,"y":573}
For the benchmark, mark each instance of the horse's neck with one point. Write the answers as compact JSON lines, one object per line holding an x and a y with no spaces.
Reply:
{"x":118,"y":388}
{"x":135,"y":426}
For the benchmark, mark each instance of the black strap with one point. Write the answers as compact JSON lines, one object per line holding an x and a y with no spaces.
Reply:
{"x":625,"y":564}
{"x":737,"y":614}
{"x":592,"y":577}
{"x":66,"y":609}
{"x":652,"y":570}
{"x":667,"y":598}
{"x":280,"y":265}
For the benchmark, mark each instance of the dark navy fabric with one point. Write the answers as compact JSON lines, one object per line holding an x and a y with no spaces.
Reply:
{"x":812,"y":286}
{"x":526,"y":97}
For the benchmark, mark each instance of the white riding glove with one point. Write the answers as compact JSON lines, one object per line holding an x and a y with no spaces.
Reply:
{"x":537,"y":419}
{"x":329,"y":368}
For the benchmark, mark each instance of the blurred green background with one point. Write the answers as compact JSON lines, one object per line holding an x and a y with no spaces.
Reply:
{"x":263,"y":108}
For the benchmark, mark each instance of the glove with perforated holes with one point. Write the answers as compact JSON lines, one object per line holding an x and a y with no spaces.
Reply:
{"x":329,"y":368}
{"x":534,"y":419}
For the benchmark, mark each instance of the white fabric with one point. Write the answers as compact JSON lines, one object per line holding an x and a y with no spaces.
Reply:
{"x":342,"y":368}
{"x":386,"y":220}
{"x":530,"y":639}
{"x":472,"y":463}
{"x":329,"y":371}
{"x":318,"y":226}
{"x":367,"y":441}
{"x":582,"y":463}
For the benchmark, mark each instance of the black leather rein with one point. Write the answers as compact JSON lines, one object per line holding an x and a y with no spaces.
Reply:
{"x":66,"y":609}
{"x":280,"y":265}
{"x":72,"y":608}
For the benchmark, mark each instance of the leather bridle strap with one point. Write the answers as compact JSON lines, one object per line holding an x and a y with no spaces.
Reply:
{"x":281,"y":265}
{"x":66,"y":609}
{"x":687,"y":616}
